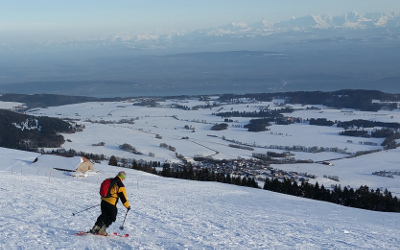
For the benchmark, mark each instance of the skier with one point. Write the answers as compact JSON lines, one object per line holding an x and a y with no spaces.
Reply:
{"x":109,"y":205}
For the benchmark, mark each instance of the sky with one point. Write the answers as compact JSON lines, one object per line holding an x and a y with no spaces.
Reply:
{"x":43,"y":19}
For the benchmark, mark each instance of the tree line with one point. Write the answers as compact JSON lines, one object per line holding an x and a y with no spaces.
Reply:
{"x":271,"y":113}
{"x":360,"y":123}
{"x":362,"y":197}
{"x":346,"y":98}
{"x":204,"y":174}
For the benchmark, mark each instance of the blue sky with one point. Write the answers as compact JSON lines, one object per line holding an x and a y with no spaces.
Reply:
{"x":47,"y":18}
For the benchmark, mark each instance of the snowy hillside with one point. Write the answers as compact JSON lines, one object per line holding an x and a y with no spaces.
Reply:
{"x":189,"y":132}
{"x":37,"y":205}
{"x":38,"y":201}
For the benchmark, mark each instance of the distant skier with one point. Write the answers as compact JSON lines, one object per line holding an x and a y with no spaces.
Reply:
{"x":109,"y":204}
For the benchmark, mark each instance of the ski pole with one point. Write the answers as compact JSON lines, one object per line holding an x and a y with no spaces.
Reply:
{"x":122,"y":226}
{"x":85,"y":209}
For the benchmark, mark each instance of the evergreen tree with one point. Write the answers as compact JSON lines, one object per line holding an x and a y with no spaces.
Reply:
{"x":135,"y":165}
{"x":166,"y":170}
{"x":206,"y":175}
{"x":275,"y":185}
{"x":344,"y":197}
{"x":191,"y":173}
{"x":213,"y":176}
{"x":267,"y":184}
{"x":238,"y":180}
{"x":254,"y":183}
{"x":220,"y":177}
{"x":296,"y":189}
{"x":324,"y":194}
{"x":244,"y":181}
{"x":185,"y":173}
{"x":286,"y":186}
{"x":228,"y":179}
{"x":352,"y":197}
{"x":113,"y":161}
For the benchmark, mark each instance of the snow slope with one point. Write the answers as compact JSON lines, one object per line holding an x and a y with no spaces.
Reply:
{"x":37,"y":203}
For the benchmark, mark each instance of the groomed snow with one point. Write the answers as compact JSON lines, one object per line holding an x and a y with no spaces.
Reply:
{"x":37,"y":205}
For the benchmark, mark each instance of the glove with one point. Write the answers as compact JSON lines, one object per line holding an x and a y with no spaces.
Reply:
{"x":129,"y":208}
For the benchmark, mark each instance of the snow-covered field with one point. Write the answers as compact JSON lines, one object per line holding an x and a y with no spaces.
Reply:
{"x":37,"y":202}
{"x":169,"y":124}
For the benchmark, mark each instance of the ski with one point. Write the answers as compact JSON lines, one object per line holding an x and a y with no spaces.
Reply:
{"x":81,"y":233}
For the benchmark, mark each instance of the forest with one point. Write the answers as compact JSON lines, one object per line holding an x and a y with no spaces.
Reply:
{"x":24,"y":132}
{"x":347,"y":98}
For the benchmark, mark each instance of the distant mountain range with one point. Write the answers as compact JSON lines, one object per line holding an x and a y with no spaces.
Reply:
{"x":370,"y":27}
{"x":349,"y":26}
{"x":350,"y":21}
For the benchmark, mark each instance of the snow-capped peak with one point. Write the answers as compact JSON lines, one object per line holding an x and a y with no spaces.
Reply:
{"x":239,"y":25}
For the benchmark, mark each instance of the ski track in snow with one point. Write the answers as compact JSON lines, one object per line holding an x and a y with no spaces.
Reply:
{"x":178,"y":214}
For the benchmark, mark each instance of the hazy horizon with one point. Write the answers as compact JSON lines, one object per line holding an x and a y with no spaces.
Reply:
{"x":50,"y":21}
{"x":154,"y":48}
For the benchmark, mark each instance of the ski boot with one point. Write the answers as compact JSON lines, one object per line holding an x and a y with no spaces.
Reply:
{"x":95,"y":229}
{"x":102,"y":230}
